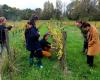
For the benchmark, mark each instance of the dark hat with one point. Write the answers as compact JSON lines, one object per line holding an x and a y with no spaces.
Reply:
{"x":34,"y":17}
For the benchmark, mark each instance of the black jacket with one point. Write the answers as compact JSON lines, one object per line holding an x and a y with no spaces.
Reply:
{"x":84,"y":33}
{"x":44,"y":44}
{"x":2,"y":33}
{"x":32,"y":39}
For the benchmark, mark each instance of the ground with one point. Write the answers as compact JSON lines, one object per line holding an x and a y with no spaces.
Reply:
{"x":75,"y":59}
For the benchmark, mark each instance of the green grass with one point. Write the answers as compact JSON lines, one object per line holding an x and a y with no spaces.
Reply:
{"x":75,"y":60}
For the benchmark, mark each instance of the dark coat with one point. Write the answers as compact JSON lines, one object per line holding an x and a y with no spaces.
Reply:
{"x":2,"y":33}
{"x":84,"y":33}
{"x":32,"y":39}
{"x":44,"y":44}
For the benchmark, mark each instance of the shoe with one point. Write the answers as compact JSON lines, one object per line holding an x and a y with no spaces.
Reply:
{"x":91,"y":65}
{"x":41,"y":66}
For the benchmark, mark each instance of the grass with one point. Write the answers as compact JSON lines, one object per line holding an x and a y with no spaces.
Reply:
{"x":75,"y":58}
{"x":76,"y":61}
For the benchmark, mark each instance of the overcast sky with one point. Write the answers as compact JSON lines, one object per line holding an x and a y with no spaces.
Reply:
{"x":22,"y":4}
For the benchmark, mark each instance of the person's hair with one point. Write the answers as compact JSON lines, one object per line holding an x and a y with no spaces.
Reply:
{"x":46,"y":35}
{"x":2,"y":19}
{"x":84,"y":24}
{"x":28,"y":23}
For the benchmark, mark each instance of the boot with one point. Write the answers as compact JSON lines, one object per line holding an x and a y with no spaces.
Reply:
{"x":30,"y":62}
{"x":39,"y":63}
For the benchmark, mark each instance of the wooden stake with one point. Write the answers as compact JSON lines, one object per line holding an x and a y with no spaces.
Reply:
{"x":63,"y":58}
{"x":9,"y":54}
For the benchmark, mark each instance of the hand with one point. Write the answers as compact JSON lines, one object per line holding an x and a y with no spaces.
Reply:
{"x":86,"y":50}
{"x":9,"y":27}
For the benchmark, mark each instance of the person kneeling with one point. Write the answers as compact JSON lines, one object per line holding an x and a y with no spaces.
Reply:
{"x":46,"y":46}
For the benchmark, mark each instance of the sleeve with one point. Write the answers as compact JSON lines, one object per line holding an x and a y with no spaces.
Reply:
{"x":25,"y":34}
{"x":93,"y":39}
{"x":9,"y":27}
{"x":47,"y":44}
{"x":34,"y":34}
{"x":4,"y":27}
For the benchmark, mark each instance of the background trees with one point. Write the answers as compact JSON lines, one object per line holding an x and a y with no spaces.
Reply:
{"x":84,"y":9}
{"x":77,"y":9}
{"x":48,"y":10}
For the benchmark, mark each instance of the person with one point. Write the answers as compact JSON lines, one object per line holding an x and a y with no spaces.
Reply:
{"x":46,"y":46}
{"x":3,"y":28}
{"x":32,"y":42}
{"x":80,"y":25}
{"x":93,"y":42}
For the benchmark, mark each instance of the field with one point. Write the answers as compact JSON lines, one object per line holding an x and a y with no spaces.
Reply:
{"x":75,"y":59}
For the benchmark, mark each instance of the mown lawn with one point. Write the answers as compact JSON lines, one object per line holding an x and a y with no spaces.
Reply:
{"x":76,"y":60}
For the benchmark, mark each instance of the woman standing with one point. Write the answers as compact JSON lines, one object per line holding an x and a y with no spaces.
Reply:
{"x":93,"y":42}
{"x":32,"y":42}
{"x":3,"y":28}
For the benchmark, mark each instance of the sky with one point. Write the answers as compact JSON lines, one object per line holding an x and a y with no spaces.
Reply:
{"x":23,"y":4}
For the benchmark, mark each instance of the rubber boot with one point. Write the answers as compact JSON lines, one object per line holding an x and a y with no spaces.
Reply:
{"x":30,"y":62}
{"x":39,"y":63}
